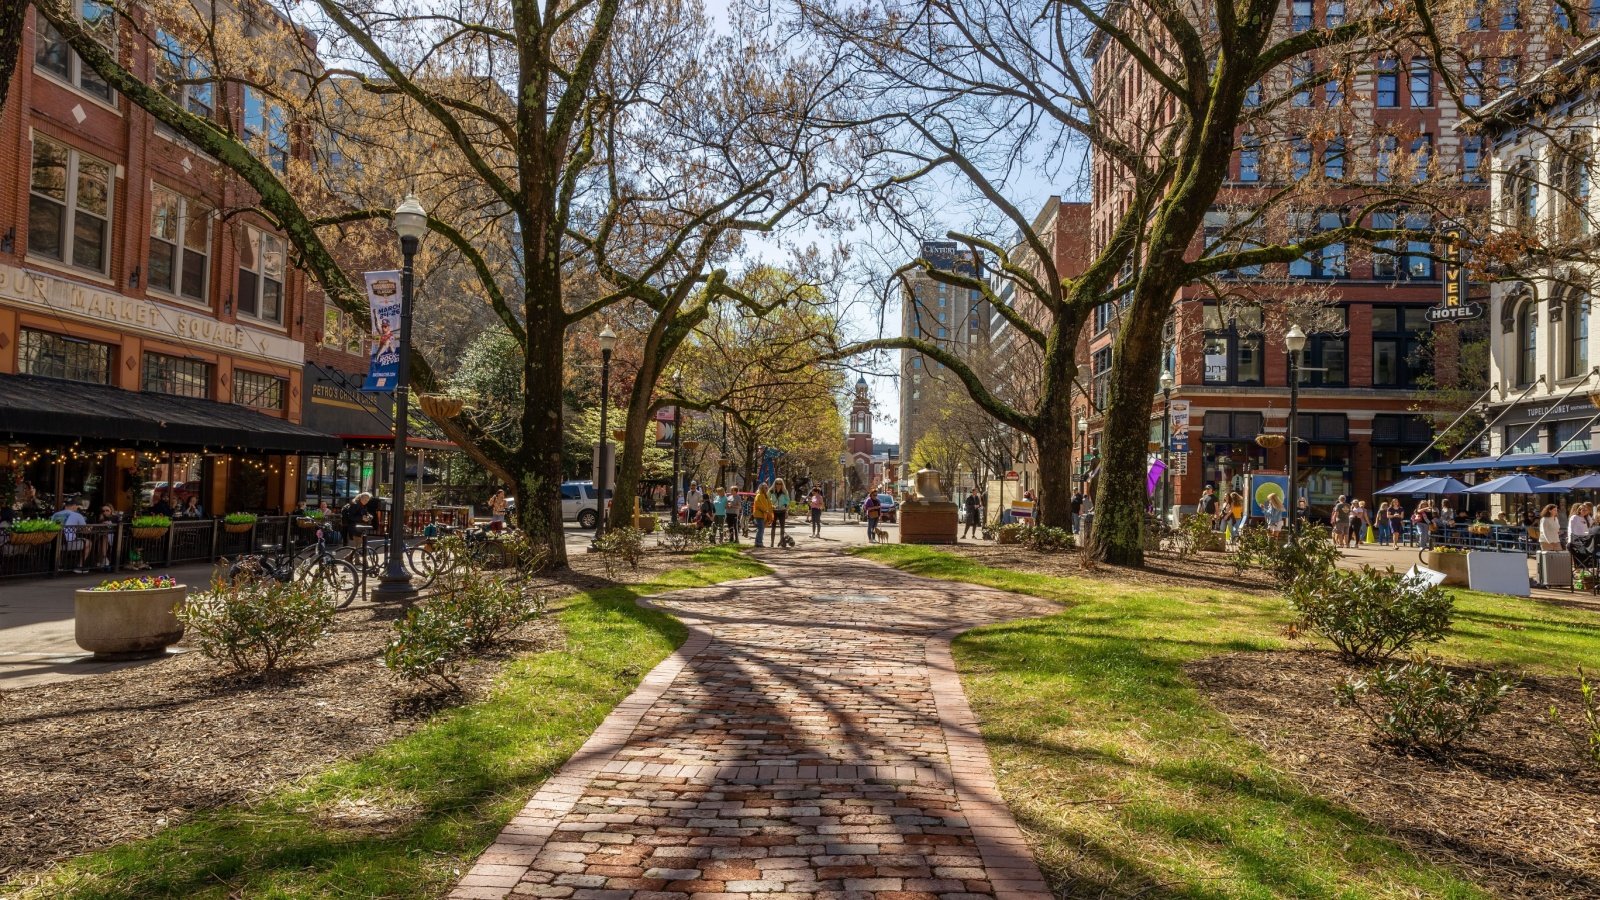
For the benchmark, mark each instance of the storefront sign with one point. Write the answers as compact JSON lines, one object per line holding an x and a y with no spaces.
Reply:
{"x":1569,"y":409}
{"x":1455,"y":307}
{"x":383,"y":296}
{"x":79,"y":302}
{"x":334,"y":406}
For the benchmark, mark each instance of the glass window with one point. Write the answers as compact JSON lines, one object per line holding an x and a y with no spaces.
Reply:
{"x":1576,"y":319}
{"x":57,"y":356}
{"x":1389,"y":83}
{"x":1522,"y":439}
{"x":1386,"y":148}
{"x":182,"y":76}
{"x":1334,"y":14}
{"x":1328,"y":262}
{"x":1333,"y":91}
{"x":260,"y":294}
{"x":1329,"y":352}
{"x":1472,"y":159}
{"x":1301,"y":158}
{"x":1252,"y":95}
{"x":1228,"y":232}
{"x":1527,"y":335}
{"x":1301,"y":72}
{"x":1333,"y":160}
{"x":256,"y":390}
{"x":1421,"y":84}
{"x":1397,"y":333}
{"x":1573,"y":435}
{"x":174,"y":375}
{"x":1472,"y":85}
{"x":1301,"y":17}
{"x":266,"y":125}
{"x":53,"y":55}
{"x":1572,"y":178}
{"x":1233,"y":349}
{"x":180,"y":245}
{"x":69,"y":206}
{"x":1250,"y":159}
{"x":1475,"y":16}
{"x":1422,"y":157}
{"x":1510,"y":15}
{"x":1506,"y":75}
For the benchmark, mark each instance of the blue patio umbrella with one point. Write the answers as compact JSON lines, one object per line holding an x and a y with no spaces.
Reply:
{"x":1440,"y":485}
{"x":1518,"y":484}
{"x":1400,"y":487}
{"x":1579,"y":483}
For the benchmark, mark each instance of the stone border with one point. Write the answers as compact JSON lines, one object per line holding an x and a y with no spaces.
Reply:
{"x":1007,"y":859}
{"x":501,"y":866}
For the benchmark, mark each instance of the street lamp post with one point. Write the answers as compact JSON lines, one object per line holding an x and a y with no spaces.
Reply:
{"x":410,"y":223}
{"x":677,"y":443}
{"x":1166,"y":444}
{"x":608,"y":342}
{"x":1083,"y":452}
{"x":1294,"y":341}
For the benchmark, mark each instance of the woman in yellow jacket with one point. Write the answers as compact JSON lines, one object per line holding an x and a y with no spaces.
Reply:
{"x":762,"y":513}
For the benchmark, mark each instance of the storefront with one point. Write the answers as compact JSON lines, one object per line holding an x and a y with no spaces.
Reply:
{"x":1228,"y":450}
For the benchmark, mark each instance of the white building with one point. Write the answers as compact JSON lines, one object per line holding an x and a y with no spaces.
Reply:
{"x":1543,"y":369}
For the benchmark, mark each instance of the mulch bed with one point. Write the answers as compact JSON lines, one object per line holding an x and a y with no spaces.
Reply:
{"x":100,"y":760}
{"x":1518,"y":806}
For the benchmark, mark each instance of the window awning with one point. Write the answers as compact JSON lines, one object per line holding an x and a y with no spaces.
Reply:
{"x":1509,"y":461}
{"x":34,"y":408}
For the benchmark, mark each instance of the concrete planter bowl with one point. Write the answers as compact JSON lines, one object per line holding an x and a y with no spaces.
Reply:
{"x":128,"y":624}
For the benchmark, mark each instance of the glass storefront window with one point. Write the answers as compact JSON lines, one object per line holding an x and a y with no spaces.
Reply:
{"x":257,"y":391}
{"x":177,"y":376}
{"x":58,"y":356}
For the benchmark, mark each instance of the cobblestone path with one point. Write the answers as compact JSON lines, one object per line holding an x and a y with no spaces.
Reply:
{"x":809,"y":740}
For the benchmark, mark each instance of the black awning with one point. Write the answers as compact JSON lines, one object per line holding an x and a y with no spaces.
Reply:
{"x":33,"y":408}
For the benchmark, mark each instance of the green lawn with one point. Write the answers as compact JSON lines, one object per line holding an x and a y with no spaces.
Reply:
{"x":1131,"y":785}
{"x":463,"y":775}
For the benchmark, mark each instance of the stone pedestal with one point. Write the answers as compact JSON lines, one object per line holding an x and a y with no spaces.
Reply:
{"x":929,"y":522}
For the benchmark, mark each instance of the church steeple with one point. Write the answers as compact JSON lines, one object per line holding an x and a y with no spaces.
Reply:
{"x":859,"y":441}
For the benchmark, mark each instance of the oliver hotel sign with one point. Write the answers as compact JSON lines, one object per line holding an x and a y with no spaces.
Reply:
{"x":71,"y":300}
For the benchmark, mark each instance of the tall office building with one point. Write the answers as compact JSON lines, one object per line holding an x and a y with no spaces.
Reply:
{"x":952,"y":317}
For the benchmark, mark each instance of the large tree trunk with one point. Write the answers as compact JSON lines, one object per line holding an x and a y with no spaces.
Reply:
{"x":1123,"y":496}
{"x":1054,"y":424}
{"x":13,"y":19}
{"x":538,"y":461}
{"x":630,"y":463}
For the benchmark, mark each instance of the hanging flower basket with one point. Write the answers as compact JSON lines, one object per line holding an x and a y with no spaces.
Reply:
{"x":439,"y":407}
{"x":149,"y":528}
{"x":1269,"y":441}
{"x":238,"y":523}
{"x":33,"y":538}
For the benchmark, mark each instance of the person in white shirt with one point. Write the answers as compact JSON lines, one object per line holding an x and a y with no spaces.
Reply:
{"x":1578,"y":523}
{"x":1550,"y":528}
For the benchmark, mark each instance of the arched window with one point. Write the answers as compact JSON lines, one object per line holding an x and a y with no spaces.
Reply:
{"x":1522,"y":195}
{"x":1576,"y":317}
{"x":1527,"y":335}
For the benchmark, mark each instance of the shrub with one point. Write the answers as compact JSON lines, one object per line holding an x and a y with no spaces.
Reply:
{"x":1370,"y":615}
{"x":239,"y":519}
{"x":1420,"y":705}
{"x":621,"y":545}
{"x":488,"y":609}
{"x":1046,"y":539}
{"x":1306,"y":552}
{"x":1193,"y":535}
{"x":681,"y":538}
{"x":35,"y":526}
{"x":256,"y":625}
{"x":426,"y":646}
{"x":1587,"y":733}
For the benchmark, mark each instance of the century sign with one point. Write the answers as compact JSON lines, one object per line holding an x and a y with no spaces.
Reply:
{"x":1455,"y":306}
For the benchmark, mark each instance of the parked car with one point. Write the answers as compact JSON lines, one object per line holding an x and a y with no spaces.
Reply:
{"x":579,"y":503}
{"x":887,"y":507}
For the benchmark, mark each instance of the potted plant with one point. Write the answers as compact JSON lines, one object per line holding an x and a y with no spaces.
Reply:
{"x":129,"y":618}
{"x":28,"y":532}
{"x":147,"y":528}
{"x":238,"y":523}
{"x":1452,"y":561}
{"x":309,"y":519}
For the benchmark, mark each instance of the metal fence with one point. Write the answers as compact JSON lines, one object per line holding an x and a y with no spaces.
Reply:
{"x":118,"y":546}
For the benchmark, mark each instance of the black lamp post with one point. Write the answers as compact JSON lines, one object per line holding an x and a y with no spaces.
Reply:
{"x":410,"y":223}
{"x":677,"y":444}
{"x":1083,"y":452}
{"x":1294,"y":341}
{"x":608,"y":343}
{"x":1166,"y":444}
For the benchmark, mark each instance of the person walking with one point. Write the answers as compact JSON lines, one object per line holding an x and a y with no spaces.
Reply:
{"x":1272,"y":511}
{"x":780,"y":512}
{"x":719,"y":513}
{"x":871,"y":510}
{"x":1422,"y":521}
{"x":1397,"y":523}
{"x":974,"y":514}
{"x":1550,"y":528}
{"x":815,"y":503}
{"x":761,"y":512}
{"x":1358,"y":523}
{"x":1340,"y":520}
{"x":1077,"y":511}
{"x":497,"y":510}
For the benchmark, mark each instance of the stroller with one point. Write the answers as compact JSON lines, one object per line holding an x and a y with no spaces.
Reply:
{"x":1586,"y":561}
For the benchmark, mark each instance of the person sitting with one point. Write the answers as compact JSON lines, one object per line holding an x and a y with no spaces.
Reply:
{"x":162,"y":505}
{"x":71,"y":520}
{"x":191,"y":508}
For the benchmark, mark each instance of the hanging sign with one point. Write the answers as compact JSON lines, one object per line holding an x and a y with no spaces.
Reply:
{"x":1454,"y":307}
{"x":383,"y":297}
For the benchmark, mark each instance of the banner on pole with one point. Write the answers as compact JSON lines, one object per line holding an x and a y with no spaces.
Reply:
{"x":383,"y":298}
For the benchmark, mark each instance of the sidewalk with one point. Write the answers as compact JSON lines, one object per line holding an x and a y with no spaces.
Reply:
{"x":809,"y":740}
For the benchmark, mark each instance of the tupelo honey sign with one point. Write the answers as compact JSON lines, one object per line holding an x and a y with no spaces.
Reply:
{"x":78,"y":302}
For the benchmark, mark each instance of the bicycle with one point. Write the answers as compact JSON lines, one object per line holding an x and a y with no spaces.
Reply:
{"x":322,"y":570}
{"x":371,"y":558}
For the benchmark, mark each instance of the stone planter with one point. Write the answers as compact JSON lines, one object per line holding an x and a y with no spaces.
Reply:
{"x":1453,"y":565}
{"x":128,"y":624}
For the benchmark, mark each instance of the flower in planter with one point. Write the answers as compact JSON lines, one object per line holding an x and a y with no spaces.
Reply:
{"x":239,"y":518}
{"x":141,"y":583}
{"x":35,"y":526}
{"x":150,"y":522}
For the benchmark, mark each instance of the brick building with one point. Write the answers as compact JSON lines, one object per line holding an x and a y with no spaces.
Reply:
{"x":1359,"y":420}
{"x":152,"y":331}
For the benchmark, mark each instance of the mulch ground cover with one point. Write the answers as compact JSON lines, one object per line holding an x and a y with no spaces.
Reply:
{"x":1162,"y":569}
{"x":1518,"y":806}
{"x":96,"y":761}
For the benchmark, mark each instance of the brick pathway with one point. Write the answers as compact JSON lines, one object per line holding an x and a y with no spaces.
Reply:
{"x":809,"y":740}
